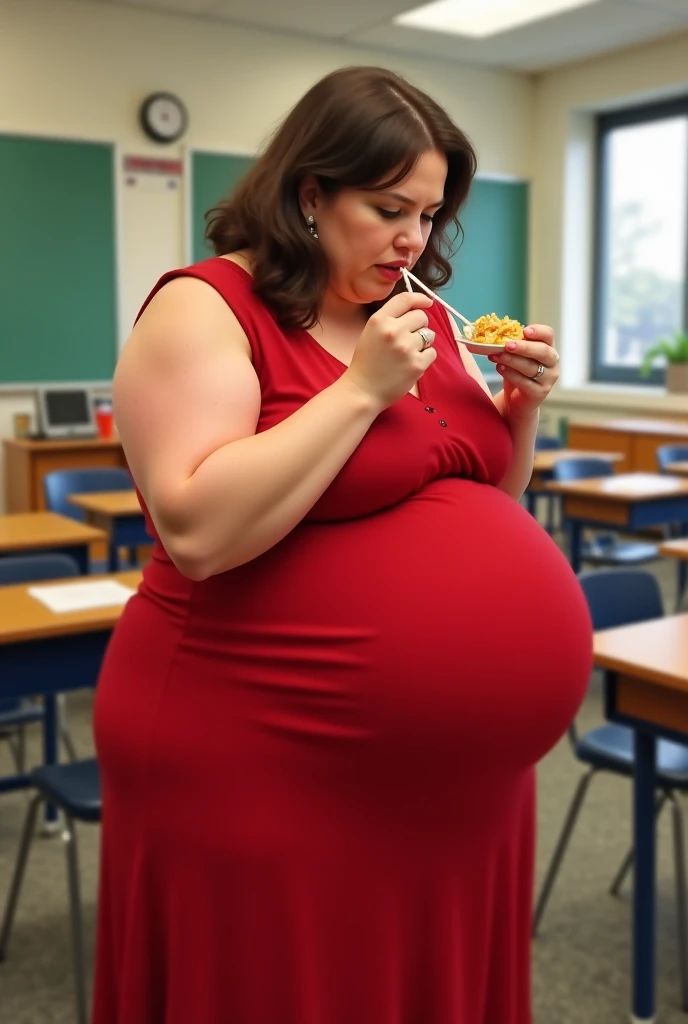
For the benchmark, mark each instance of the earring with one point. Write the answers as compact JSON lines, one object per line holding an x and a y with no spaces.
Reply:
{"x":310,"y":221}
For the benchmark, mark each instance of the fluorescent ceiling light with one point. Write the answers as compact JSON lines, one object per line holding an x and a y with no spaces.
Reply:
{"x":480,"y":18}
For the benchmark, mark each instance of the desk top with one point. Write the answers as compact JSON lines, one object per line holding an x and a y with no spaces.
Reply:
{"x":27,"y":531}
{"x":108,"y":503}
{"x":623,"y":487}
{"x":636,"y":425}
{"x":679,"y":468}
{"x":24,"y":618}
{"x":65,"y":444}
{"x":675,"y":548}
{"x":656,"y":651}
{"x":546,"y":460}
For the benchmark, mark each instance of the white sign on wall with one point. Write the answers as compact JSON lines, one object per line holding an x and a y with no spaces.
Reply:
{"x":152,"y":174}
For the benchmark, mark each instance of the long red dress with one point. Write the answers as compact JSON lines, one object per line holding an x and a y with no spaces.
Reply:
{"x":318,"y":767}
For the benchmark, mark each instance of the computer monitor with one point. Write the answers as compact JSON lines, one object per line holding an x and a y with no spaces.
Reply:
{"x":65,"y":410}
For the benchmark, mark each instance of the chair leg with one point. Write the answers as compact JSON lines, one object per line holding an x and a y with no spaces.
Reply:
{"x":681,"y":572}
{"x":68,"y":743}
{"x":76,"y":920}
{"x":19,"y":868}
{"x":681,"y":901}
{"x":21,"y":750}
{"x":14,"y":742}
{"x":627,"y":863}
{"x":560,"y":849}
{"x":65,"y":734}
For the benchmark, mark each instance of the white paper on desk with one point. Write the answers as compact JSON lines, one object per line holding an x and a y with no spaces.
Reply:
{"x":78,"y":597}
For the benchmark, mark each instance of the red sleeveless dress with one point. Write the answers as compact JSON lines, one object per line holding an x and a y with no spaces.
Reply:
{"x":318,"y":767}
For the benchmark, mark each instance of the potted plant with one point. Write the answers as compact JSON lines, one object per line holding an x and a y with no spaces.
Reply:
{"x":675,"y":351}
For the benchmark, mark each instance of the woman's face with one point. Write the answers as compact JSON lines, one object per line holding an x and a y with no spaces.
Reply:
{"x":367,"y":236}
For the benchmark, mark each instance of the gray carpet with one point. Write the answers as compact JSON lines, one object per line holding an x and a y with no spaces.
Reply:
{"x":580,"y":962}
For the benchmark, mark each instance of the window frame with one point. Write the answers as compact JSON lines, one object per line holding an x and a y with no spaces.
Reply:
{"x":605,"y":124}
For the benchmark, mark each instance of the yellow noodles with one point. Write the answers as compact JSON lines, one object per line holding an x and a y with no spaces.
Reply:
{"x":490,"y":330}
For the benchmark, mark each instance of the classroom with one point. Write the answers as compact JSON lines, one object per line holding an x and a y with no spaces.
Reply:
{"x":122,"y":122}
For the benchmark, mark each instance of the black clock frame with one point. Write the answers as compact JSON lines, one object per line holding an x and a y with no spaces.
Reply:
{"x":147,"y":126}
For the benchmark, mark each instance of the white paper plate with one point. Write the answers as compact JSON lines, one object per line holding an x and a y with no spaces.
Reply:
{"x":479,"y":349}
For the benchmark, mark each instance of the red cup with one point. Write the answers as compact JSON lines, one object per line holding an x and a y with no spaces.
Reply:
{"x":104,"y":421}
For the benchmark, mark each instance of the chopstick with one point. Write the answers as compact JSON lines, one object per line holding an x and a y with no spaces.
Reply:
{"x":406,"y":274}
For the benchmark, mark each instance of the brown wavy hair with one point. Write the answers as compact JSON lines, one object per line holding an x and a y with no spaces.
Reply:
{"x":362,"y":128}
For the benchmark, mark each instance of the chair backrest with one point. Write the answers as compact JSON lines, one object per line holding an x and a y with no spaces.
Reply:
{"x":619,"y":597}
{"x":58,"y":485}
{"x":543,"y":443}
{"x":671,"y":453}
{"x":32,"y":568}
{"x":581,"y":468}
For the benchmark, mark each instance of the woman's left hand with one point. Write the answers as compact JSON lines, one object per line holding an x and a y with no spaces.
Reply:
{"x":525,"y":389}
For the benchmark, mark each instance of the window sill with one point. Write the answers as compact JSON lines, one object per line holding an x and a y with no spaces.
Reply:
{"x":621,"y":396}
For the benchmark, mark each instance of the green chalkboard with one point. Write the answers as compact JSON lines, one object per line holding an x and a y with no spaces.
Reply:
{"x":58,"y":319}
{"x":490,"y":267}
{"x":213,"y":176}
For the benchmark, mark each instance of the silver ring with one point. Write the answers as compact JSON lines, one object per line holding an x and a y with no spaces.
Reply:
{"x":539,"y":372}
{"x":427,"y":337}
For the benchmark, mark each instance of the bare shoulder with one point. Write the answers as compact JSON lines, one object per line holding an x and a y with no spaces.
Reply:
{"x":184,"y":385}
{"x":189,"y":309}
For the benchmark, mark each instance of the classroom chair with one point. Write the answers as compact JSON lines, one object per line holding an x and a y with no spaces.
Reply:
{"x":15,"y":715}
{"x":668,"y":453}
{"x":604,"y":548}
{"x":619,"y":597}
{"x":545,"y":443}
{"x":75,"y":790}
{"x":58,"y":485}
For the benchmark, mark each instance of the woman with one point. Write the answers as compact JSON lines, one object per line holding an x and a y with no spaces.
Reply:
{"x":318,"y":719}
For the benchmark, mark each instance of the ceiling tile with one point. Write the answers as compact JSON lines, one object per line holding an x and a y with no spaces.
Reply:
{"x":314,"y":17}
{"x":193,"y":7}
{"x":574,"y":35}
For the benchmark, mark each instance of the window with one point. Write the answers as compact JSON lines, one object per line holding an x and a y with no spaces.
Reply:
{"x":641,"y":228}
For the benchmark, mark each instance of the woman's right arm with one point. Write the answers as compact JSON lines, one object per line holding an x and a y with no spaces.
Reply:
{"x":187,"y":402}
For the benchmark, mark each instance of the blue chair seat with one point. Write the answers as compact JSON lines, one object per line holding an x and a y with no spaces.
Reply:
{"x":610,"y":748}
{"x":74,"y":787}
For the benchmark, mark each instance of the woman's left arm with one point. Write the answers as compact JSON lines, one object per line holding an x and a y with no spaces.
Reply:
{"x":529,"y":369}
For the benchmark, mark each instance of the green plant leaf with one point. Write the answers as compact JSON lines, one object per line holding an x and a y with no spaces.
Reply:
{"x":674,"y":350}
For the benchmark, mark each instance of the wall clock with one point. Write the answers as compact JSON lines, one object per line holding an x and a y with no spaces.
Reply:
{"x":163,"y":117}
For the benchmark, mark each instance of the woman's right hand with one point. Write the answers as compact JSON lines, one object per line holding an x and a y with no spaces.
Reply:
{"x":388,"y":359}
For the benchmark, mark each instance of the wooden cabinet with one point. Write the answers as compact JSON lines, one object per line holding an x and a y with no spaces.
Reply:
{"x":636,"y":439}
{"x":27,"y":462}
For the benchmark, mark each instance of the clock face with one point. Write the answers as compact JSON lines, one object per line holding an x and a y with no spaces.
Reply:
{"x":163,"y":117}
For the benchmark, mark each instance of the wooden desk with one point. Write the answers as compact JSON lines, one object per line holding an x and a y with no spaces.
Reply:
{"x":33,"y":532}
{"x":675,"y":549}
{"x":27,"y":462}
{"x":119,"y":514}
{"x":678,"y":468}
{"x":24,"y":619}
{"x":629,"y":501}
{"x":646,"y":689}
{"x":636,"y":438}
{"x":43,"y":654}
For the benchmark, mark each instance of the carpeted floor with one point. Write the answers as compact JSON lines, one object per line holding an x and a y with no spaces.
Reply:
{"x":580,"y":961}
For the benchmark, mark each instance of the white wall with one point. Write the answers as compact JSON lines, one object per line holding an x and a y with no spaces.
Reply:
{"x":562,"y":214}
{"x":78,"y":69}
